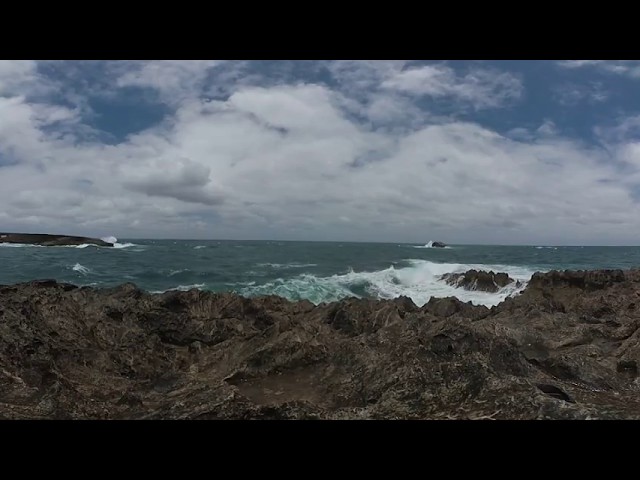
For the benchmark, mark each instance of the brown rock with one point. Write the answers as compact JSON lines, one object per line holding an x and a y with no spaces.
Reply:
{"x":567,"y":348}
{"x":478,"y":280}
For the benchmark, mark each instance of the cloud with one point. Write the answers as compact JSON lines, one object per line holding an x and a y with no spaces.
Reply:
{"x":481,"y":88}
{"x":355,"y":157}
{"x":630,"y":68}
{"x":181,"y":179}
{"x":570,"y":94}
{"x":548,"y":128}
{"x":173,"y":79}
{"x":20,"y":77}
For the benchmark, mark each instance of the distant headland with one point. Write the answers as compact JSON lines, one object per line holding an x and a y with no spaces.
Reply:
{"x":47,"y":240}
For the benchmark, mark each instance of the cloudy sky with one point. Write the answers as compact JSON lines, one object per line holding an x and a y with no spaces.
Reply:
{"x":507,"y":152}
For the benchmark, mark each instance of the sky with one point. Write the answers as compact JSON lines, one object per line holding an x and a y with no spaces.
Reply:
{"x":477,"y":152}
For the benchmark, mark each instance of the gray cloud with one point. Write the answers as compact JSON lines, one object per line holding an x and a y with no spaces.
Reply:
{"x":181,"y":179}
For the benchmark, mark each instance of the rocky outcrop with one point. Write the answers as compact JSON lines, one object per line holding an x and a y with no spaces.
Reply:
{"x":50,"y":240}
{"x":568,"y":347}
{"x":479,"y":280}
{"x":438,"y":245}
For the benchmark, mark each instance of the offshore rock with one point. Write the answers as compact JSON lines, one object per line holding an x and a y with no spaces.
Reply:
{"x":47,"y":240}
{"x":478,"y":280}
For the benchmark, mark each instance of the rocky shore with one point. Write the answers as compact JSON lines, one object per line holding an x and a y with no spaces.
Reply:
{"x":47,"y":240}
{"x":567,"y":347}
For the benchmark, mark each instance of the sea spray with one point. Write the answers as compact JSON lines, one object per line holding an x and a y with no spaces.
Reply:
{"x":419,"y":281}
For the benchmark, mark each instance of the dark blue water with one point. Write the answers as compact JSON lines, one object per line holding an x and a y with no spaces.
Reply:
{"x":296,"y":270}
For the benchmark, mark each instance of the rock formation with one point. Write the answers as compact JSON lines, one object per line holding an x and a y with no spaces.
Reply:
{"x":478,"y":280}
{"x":438,"y":245}
{"x":50,"y":240}
{"x":568,"y":347}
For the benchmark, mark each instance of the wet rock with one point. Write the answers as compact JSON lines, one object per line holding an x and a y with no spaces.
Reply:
{"x":478,"y":280}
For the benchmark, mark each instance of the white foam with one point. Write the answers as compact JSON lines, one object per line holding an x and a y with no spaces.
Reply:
{"x":18,"y":245}
{"x":420,"y":281}
{"x":124,"y":245}
{"x":550,"y":248}
{"x":198,"y":247}
{"x":280,"y":266}
{"x":429,"y":245}
{"x":175,"y":272}
{"x":181,"y":288}
{"x":109,"y":239}
{"x":81,"y":269}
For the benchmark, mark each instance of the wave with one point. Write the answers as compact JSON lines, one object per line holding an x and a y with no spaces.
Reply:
{"x":181,"y":288}
{"x":176,"y":272}
{"x":419,"y":281}
{"x":124,"y":245}
{"x":81,"y":269}
{"x":551,"y":248}
{"x":109,"y":239}
{"x":280,"y":266}
{"x":198,"y":247}
{"x":18,"y":245}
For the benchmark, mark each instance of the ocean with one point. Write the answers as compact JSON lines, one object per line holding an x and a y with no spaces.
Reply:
{"x":316,"y":271}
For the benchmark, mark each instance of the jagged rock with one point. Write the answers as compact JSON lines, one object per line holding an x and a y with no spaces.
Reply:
{"x":438,"y":245}
{"x":568,"y":347}
{"x":50,"y":240}
{"x":478,"y":280}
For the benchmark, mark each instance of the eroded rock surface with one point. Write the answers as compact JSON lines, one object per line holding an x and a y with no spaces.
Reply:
{"x":479,"y":280}
{"x":568,"y":347}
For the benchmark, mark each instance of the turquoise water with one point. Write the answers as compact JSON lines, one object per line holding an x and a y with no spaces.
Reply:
{"x":319,"y":272}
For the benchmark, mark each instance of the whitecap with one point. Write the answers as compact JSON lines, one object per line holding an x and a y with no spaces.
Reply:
{"x":109,"y":239}
{"x":124,"y":245}
{"x":81,"y":269}
{"x":176,"y":272}
{"x":280,"y":266}
{"x":420,"y":281}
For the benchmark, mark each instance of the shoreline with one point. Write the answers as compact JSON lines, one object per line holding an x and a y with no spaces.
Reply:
{"x":567,"y":347}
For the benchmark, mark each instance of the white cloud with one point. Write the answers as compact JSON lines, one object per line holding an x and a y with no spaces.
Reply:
{"x":173,"y":79}
{"x":290,"y":161}
{"x":569,"y":94}
{"x":481,"y":88}
{"x":629,"y":68}
{"x":548,"y":128}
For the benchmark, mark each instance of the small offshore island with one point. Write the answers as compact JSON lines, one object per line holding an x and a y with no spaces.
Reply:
{"x":47,"y":240}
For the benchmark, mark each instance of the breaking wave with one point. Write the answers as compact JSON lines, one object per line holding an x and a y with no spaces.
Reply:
{"x":17,"y":245}
{"x":420,"y":281}
{"x":124,"y":245}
